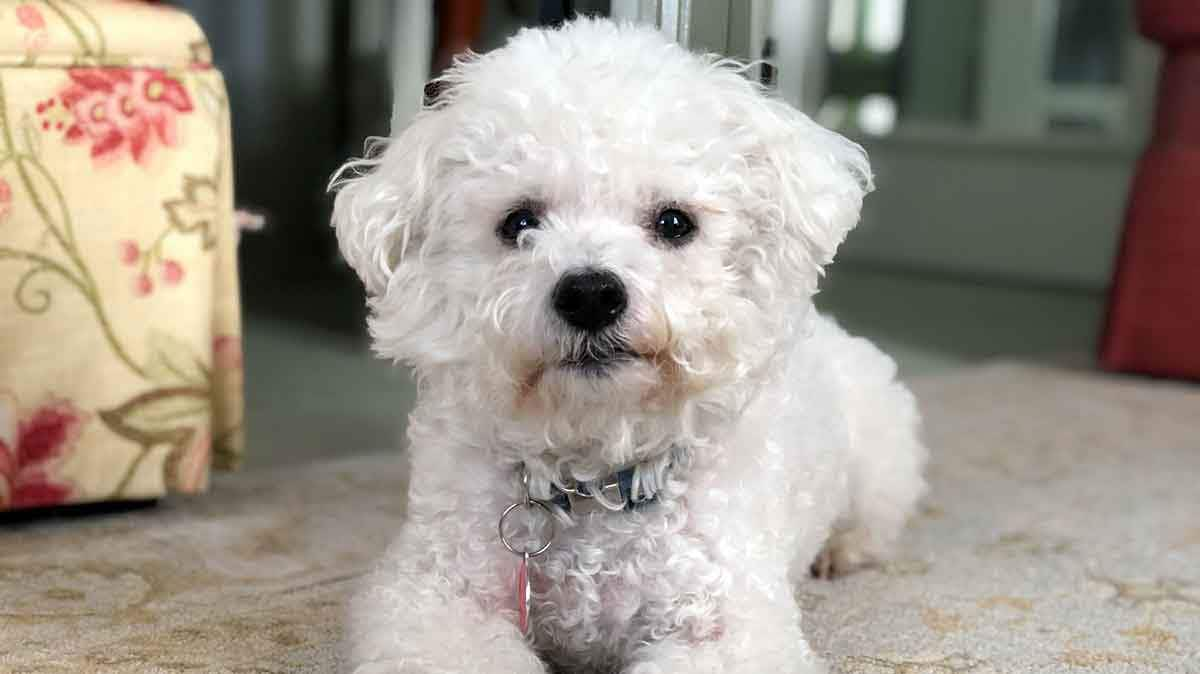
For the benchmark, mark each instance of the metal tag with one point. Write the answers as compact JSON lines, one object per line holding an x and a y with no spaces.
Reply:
{"x":523,"y":594}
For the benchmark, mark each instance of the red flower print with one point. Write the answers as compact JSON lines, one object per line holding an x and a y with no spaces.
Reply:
{"x":172,"y":272}
{"x":142,"y":285}
{"x":130,"y":253}
{"x":187,"y":467}
{"x":118,"y":108}
{"x":30,"y":17}
{"x":5,"y":199}
{"x":29,"y":449}
{"x":227,"y":352}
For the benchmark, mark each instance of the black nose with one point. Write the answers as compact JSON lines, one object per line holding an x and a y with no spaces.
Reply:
{"x":590,"y":299}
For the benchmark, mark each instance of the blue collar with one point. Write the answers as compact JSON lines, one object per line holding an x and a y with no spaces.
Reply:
{"x":625,"y":489}
{"x":618,"y":488}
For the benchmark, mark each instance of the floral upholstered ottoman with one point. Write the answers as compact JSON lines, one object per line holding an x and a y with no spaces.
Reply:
{"x":120,"y":348}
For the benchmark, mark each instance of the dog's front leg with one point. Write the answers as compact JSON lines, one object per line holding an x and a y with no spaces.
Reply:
{"x":761,"y":635}
{"x":430,"y":608}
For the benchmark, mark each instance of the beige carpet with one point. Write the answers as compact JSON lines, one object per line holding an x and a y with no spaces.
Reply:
{"x":1062,"y":535}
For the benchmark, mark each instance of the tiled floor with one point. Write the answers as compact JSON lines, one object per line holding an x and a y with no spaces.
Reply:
{"x":314,"y":393}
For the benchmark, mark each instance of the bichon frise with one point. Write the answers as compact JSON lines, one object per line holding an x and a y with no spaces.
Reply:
{"x":634,"y":434}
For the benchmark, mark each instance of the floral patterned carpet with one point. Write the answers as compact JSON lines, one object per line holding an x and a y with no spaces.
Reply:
{"x":1061,"y":536}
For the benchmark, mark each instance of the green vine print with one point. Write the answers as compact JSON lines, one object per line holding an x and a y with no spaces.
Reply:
{"x":32,"y":173}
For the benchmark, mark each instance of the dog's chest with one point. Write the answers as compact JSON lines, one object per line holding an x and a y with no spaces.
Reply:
{"x":615,"y":580}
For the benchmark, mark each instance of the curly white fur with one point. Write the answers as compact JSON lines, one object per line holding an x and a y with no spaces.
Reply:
{"x":788,"y":429}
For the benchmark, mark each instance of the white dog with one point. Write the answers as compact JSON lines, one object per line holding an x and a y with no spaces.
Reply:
{"x":599,"y":251}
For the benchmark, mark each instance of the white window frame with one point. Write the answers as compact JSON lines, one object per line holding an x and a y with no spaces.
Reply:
{"x":731,"y":27}
{"x":1016,"y":96}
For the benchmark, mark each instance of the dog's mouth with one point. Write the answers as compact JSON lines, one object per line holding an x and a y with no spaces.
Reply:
{"x":600,"y":360}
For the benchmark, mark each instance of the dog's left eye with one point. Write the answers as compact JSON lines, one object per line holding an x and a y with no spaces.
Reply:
{"x":515,"y":223}
{"x":674,"y":227}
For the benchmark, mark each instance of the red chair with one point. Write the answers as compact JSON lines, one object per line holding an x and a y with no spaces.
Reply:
{"x":1154,"y":307}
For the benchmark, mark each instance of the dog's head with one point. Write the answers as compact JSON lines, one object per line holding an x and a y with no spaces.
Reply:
{"x":594,"y":231}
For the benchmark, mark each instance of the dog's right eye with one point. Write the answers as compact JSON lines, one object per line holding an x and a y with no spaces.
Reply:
{"x":515,"y":223}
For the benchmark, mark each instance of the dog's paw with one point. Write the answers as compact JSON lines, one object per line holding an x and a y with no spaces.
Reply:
{"x":845,"y":552}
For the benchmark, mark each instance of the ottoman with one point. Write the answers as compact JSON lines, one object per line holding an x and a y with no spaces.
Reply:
{"x":120,"y":348}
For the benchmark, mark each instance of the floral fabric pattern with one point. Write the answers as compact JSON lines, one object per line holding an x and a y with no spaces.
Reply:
{"x":5,"y":199}
{"x":30,"y":18}
{"x":120,"y":365}
{"x":30,"y":446}
{"x":114,"y":109}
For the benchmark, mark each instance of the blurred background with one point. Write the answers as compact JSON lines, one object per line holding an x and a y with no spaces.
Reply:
{"x":1003,"y":134}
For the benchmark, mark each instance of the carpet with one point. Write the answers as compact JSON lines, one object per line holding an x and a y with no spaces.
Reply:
{"x":1061,"y":535}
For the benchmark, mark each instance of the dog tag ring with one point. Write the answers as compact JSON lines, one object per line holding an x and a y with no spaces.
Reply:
{"x":526,"y":552}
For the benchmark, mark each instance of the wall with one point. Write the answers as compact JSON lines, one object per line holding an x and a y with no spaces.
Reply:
{"x":1038,"y":212}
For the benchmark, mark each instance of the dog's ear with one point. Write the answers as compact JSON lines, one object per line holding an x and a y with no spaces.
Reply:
{"x":806,"y":185}
{"x":384,"y":201}
{"x":387,"y":214}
